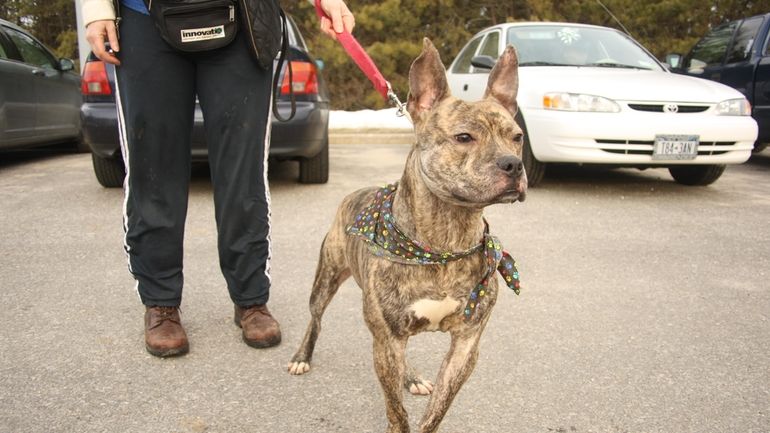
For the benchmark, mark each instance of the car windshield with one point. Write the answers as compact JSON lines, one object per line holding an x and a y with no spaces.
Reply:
{"x":578,"y":46}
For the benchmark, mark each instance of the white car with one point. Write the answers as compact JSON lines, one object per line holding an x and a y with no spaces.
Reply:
{"x":593,"y":95}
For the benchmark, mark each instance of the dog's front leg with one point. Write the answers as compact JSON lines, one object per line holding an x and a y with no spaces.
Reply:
{"x":389,"y":356}
{"x":457,"y":367}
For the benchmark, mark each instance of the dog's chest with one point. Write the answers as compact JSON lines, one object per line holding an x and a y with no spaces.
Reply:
{"x":434,"y":311}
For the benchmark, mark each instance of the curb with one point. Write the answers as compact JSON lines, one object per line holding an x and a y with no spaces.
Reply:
{"x":371,"y":136}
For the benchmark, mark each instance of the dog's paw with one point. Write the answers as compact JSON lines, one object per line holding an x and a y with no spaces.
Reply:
{"x":419,"y":386}
{"x":297,"y":367}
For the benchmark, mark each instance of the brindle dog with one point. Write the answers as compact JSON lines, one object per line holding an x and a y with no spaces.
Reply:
{"x":467,"y":156}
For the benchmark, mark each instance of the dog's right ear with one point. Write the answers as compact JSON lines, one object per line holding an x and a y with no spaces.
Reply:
{"x":503,"y":84}
{"x":427,"y":81}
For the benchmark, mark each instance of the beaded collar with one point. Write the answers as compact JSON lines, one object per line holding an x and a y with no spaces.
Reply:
{"x":377,"y":226}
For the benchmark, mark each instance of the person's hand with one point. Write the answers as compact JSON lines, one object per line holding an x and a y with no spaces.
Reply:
{"x":99,"y":32}
{"x":341,"y":18}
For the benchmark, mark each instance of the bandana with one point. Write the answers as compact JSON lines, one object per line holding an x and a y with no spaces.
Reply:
{"x":377,"y":226}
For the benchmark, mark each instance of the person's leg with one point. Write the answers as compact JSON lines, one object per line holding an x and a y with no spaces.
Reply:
{"x":235,"y":97}
{"x":155,"y":97}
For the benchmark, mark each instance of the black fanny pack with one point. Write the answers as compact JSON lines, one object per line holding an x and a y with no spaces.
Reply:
{"x":202,"y":25}
{"x":195,"y":25}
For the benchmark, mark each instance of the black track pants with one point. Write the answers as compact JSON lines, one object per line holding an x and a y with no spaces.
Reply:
{"x":156,"y":88}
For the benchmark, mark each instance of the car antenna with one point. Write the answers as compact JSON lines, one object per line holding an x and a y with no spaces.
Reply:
{"x":614,"y":17}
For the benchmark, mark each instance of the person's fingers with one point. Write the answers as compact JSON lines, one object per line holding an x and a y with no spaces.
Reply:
{"x":326,"y":27}
{"x":97,"y":33}
{"x":336,"y":15}
{"x":338,"y":18}
{"x":348,"y":21}
{"x":112,"y":36}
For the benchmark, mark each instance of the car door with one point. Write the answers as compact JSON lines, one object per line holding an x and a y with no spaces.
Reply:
{"x":761,"y":109}
{"x":56,"y":92}
{"x":466,"y":81}
{"x":17,"y":100}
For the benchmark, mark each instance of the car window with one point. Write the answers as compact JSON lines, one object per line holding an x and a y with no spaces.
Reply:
{"x":744,"y":40}
{"x":295,"y":37}
{"x":711,"y":49}
{"x":767,"y":45}
{"x":3,"y":54}
{"x":31,"y":51}
{"x":463,"y":64}
{"x":491,"y":45}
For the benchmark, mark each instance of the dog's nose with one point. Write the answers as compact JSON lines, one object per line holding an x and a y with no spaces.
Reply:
{"x":511,"y":165}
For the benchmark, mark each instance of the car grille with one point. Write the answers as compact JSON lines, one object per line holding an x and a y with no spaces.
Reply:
{"x":645,"y":147}
{"x":659,"y":108}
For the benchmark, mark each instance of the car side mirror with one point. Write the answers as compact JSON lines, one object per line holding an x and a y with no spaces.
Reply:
{"x":319,"y":64}
{"x":66,"y":65}
{"x":674,"y":60}
{"x":483,"y":62}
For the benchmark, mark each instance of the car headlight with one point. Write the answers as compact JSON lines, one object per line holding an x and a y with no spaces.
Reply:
{"x":578,"y":102}
{"x":734,"y":107}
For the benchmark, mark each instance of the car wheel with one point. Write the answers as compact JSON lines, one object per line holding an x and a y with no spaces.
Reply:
{"x":534,"y":168}
{"x":110,"y":172}
{"x":696,"y":175}
{"x":315,"y":169}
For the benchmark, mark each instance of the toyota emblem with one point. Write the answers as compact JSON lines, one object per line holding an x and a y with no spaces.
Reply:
{"x":670,"y":108}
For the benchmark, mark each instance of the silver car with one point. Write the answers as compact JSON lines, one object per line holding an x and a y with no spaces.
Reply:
{"x":39,"y":93}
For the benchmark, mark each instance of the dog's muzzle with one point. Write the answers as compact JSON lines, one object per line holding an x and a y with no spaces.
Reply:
{"x":513,"y":168}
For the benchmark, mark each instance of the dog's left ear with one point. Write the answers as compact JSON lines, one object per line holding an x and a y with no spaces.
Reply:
{"x":503,"y":84}
{"x":427,"y":81}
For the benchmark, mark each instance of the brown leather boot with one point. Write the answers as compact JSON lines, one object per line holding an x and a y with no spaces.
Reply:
{"x":163,"y":332}
{"x":260,"y":329}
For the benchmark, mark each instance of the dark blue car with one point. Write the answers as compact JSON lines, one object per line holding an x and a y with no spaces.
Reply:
{"x":305,"y":138}
{"x":736,"y":54}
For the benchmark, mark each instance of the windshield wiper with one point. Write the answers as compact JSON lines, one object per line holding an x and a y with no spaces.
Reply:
{"x":542,"y":63}
{"x":616,"y":65}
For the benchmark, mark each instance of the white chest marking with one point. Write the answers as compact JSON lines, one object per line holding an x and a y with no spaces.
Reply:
{"x":434,"y":311}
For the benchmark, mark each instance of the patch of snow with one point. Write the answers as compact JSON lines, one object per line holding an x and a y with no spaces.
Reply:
{"x":369,"y":119}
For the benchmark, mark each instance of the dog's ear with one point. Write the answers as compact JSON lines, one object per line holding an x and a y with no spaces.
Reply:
{"x":503,"y":84}
{"x":427,"y":81}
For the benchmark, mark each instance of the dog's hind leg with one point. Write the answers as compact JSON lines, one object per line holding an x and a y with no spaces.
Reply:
{"x":415,"y":384}
{"x":330,"y":274}
{"x":457,"y":367}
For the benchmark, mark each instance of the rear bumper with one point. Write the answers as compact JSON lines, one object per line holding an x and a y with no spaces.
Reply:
{"x":301,"y":137}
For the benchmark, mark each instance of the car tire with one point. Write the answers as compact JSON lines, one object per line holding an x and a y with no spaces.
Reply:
{"x":534,"y":168}
{"x":696,"y":175}
{"x":759,"y":147}
{"x":110,"y":172}
{"x":315,"y":169}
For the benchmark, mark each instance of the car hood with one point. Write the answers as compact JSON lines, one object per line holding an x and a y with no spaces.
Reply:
{"x":619,"y":85}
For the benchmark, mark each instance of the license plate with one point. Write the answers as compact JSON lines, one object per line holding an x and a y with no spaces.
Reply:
{"x":675,"y":147}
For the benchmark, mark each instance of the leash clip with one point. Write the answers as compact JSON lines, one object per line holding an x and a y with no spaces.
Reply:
{"x":393,"y":98}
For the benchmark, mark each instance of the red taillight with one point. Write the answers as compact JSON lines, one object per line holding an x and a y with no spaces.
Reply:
{"x":95,"y":81}
{"x":304,"y":79}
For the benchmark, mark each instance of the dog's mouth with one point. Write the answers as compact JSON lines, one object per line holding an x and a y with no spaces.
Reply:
{"x":507,"y":196}
{"x":512,"y":196}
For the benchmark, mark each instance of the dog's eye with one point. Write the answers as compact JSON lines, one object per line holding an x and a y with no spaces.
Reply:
{"x":518,"y":138}
{"x":463,"y":138}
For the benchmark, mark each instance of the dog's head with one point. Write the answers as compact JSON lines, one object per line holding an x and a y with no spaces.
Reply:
{"x":469,"y":152}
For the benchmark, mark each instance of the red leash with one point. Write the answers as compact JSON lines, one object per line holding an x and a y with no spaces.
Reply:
{"x":366,"y":64}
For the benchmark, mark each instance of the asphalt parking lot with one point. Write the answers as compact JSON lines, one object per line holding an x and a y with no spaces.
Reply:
{"x":645,"y":308}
